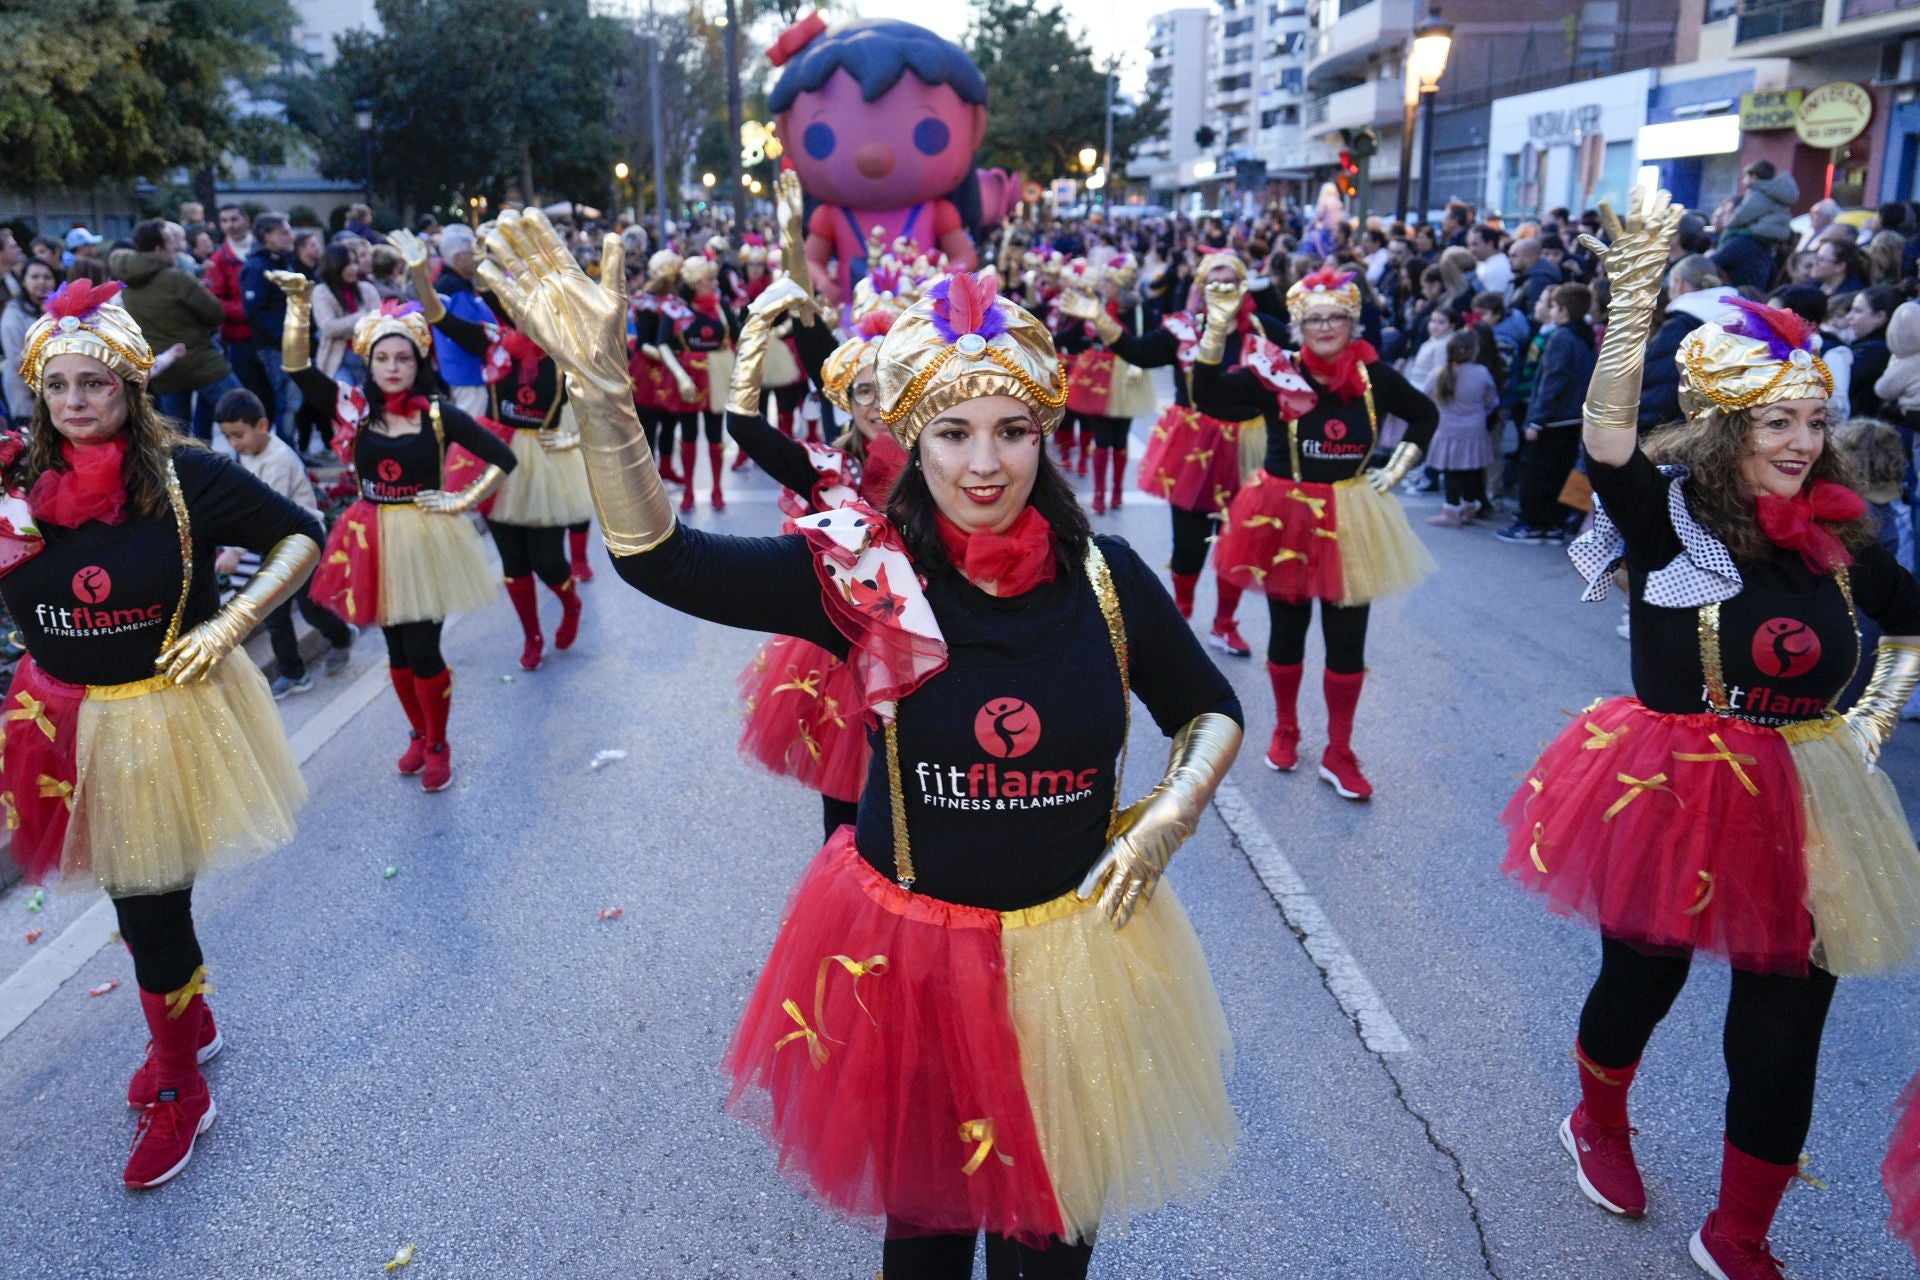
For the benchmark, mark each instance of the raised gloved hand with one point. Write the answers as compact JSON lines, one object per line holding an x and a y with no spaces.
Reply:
{"x":1223,"y":313}
{"x":1896,"y":672}
{"x":1400,"y":464}
{"x":414,"y":251}
{"x":1148,"y":831}
{"x":790,"y":203}
{"x":442,"y":503}
{"x":1636,"y":261}
{"x":296,"y":331}
{"x":192,"y":656}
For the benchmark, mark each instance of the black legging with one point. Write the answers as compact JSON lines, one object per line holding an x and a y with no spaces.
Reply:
{"x":528,"y":549}
{"x":951,"y":1258}
{"x":838,"y":813}
{"x":1108,"y":433}
{"x":1191,"y":531}
{"x":690,"y":424}
{"x":1771,"y":1040}
{"x":790,"y":397}
{"x":658,"y":428}
{"x":1343,"y":626}
{"x":158,"y":928}
{"x":1465,"y":486}
{"x":415,"y":647}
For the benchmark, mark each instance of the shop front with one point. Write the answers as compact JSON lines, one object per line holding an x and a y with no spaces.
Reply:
{"x":1691,"y":142}
{"x":1568,"y":147}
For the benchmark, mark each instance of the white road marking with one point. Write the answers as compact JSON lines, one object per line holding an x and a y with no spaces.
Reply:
{"x":33,"y":983}
{"x":1324,"y":946}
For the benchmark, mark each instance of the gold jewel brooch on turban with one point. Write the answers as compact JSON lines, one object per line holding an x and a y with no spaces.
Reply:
{"x":1324,"y":286}
{"x":394,"y":317}
{"x":83,"y":319}
{"x":959,"y":342}
{"x":1762,"y":355}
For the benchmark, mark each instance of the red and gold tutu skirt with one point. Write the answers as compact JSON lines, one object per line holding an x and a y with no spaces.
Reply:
{"x":1772,"y":848}
{"x":545,"y":489}
{"x":139,"y":788}
{"x":390,"y":563}
{"x":1192,"y":460}
{"x":1346,"y":543}
{"x":803,"y":721}
{"x":1901,"y":1172}
{"x":1035,"y":1074}
{"x":1089,"y":380}
{"x":712,"y":374}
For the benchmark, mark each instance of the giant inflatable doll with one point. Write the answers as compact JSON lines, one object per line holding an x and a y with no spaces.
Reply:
{"x":881,"y":119}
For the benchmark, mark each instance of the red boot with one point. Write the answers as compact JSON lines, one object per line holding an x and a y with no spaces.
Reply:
{"x":1099,"y":480}
{"x":663,"y":456}
{"x":716,"y":457}
{"x":569,"y":629}
{"x":1183,"y":585}
{"x":1283,"y":753}
{"x":1339,"y":767}
{"x":1119,"y":477}
{"x":1086,"y":443}
{"x":1732,"y":1243}
{"x":786,"y":423}
{"x":1600,"y":1140}
{"x":1225,"y":635}
{"x":189,"y":1005}
{"x":405,"y":688}
{"x":520,"y":591}
{"x":580,"y":566}
{"x":182,"y":1109}
{"x":688,"y":452}
{"x":436,"y":701}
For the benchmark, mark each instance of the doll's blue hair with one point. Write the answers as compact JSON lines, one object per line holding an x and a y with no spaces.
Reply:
{"x":875,"y":52}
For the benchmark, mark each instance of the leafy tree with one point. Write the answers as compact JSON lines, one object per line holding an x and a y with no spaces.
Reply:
{"x":691,"y":92}
{"x":493,"y":97}
{"x":1038,"y":66}
{"x":110,"y":90}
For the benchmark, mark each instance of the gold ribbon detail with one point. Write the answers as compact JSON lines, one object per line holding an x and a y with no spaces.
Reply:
{"x":31,"y":708}
{"x":815,"y":1050}
{"x":1720,"y":752}
{"x":808,"y":684}
{"x":1317,"y":505}
{"x":51,"y":788}
{"x":1274,"y":522}
{"x":13,"y":814}
{"x":1288,"y":553}
{"x":1636,"y":787}
{"x":197,"y":985}
{"x":807,"y":740}
{"x":1533,"y":850}
{"x":815,"y":1034}
{"x":1804,"y":1172}
{"x":981,"y":1132}
{"x":358,"y":529}
{"x":1259,"y":572}
{"x":1599,"y":739}
{"x":1704,"y":895}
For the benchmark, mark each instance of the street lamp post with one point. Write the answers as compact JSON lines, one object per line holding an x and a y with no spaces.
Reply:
{"x":1106,"y":188}
{"x":1426,"y":63}
{"x":363,"y":121}
{"x":730,"y":23}
{"x":653,"y":112}
{"x":622,"y":187}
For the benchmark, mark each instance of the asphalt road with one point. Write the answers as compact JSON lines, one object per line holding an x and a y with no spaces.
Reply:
{"x":465,"y":1057}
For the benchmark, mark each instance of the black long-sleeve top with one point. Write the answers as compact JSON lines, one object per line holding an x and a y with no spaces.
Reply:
{"x":393,"y":469}
{"x":94,"y":604}
{"x":778,"y":454}
{"x":1007,"y":756}
{"x":1336,"y":438}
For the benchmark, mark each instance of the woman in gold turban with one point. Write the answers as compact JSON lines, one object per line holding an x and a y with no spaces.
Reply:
{"x":949,"y":1037}
{"x":1726,"y":807}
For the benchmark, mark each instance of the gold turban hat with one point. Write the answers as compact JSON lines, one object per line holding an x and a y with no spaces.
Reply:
{"x":84,"y":319}
{"x":394,"y":317}
{"x":961,"y":341}
{"x":1753,"y":356}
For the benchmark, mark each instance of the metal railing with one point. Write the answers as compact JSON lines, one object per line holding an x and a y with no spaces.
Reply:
{"x":1763,"y":21}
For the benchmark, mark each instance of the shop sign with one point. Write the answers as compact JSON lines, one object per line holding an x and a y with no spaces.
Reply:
{"x":1764,"y":109}
{"x":1834,"y":114}
{"x":1563,"y":128}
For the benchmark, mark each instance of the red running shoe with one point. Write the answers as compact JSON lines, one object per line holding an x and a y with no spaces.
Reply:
{"x":1725,"y":1258}
{"x":143,"y":1092}
{"x":163,"y":1143}
{"x":1283,"y":753}
{"x":1603,"y":1161}
{"x":1340,"y":769}
{"x":1225,"y":637}
{"x":1099,"y":502}
{"x":414,"y":758}
{"x":437,"y":775}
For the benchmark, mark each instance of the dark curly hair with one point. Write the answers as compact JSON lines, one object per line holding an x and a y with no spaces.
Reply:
{"x":1713,"y":446}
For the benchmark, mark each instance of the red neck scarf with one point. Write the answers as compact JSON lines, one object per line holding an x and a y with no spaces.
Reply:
{"x":1798,"y":523}
{"x":707,"y":304}
{"x":94,"y":489}
{"x":884,"y":463}
{"x":1014,"y":562}
{"x":406,"y":406}
{"x":1341,"y":375}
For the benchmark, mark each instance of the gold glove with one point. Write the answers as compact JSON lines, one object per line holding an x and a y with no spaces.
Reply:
{"x":583,"y":325}
{"x":192,"y":656}
{"x":415,"y":252}
{"x":1873,"y":719}
{"x":749,"y":355}
{"x":442,"y":503}
{"x":1635,"y":260}
{"x":1400,"y":463}
{"x":1084,"y":306}
{"x":296,"y":331}
{"x":791,"y":204}
{"x":1223,"y":312}
{"x":1149,"y":830}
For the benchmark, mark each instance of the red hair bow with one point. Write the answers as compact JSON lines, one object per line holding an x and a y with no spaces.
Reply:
{"x":795,"y":38}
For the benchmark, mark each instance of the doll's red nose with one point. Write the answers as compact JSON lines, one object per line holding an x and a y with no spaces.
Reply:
{"x":874,"y":160}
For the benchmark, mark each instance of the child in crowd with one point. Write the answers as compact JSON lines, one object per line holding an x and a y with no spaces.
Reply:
{"x":1442,"y":325}
{"x":243,"y":421}
{"x":1461,"y":449}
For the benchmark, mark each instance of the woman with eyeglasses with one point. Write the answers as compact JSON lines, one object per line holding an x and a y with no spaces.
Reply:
{"x":1316,"y":524}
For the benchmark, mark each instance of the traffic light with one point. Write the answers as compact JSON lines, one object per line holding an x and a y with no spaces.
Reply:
{"x":1343,"y":181}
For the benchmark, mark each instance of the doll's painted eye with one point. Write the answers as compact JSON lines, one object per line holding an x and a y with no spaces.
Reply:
{"x":931,"y":136}
{"x":819,"y":140}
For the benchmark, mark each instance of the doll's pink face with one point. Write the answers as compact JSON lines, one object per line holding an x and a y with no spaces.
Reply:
{"x":913,"y":143}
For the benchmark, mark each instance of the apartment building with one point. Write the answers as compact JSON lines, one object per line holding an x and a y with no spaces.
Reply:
{"x":1177,"y":66}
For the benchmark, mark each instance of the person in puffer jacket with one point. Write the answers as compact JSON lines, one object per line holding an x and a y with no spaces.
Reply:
{"x":1899,"y":386}
{"x":1760,"y":225}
